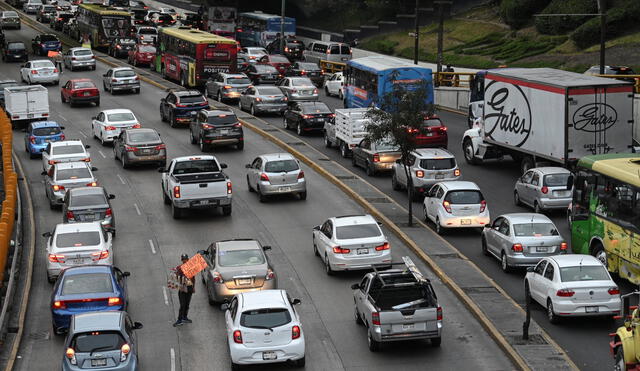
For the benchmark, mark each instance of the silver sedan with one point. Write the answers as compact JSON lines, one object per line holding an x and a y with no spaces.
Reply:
{"x":276,"y":173}
{"x":121,"y":78}
{"x":263,"y":99}
{"x":543,"y":188}
{"x":64,"y":176}
{"x":521,"y":240}
{"x":40,"y":72}
{"x":298,"y":88}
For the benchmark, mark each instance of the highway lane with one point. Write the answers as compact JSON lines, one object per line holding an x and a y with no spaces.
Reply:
{"x":334,"y":341}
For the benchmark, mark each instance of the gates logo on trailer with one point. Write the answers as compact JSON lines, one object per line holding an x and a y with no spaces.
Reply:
{"x":507,"y":117}
{"x":595,"y":117}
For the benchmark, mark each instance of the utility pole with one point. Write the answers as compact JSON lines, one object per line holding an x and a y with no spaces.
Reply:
{"x":603,"y":31}
{"x":440,"y":35}
{"x":416,"y":35}
{"x":282,"y":28}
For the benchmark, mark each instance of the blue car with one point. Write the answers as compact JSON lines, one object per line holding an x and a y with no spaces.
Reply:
{"x":38,"y":134}
{"x":43,"y":44}
{"x":88,"y":288}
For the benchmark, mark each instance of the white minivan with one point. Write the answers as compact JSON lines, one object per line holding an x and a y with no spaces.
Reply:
{"x":327,"y":51}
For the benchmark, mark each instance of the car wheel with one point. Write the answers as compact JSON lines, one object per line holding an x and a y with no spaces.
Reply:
{"x":111,"y":89}
{"x":240,"y":145}
{"x":327,"y":266}
{"x":327,"y":141}
{"x":370,"y":170}
{"x":315,"y":250}
{"x":97,"y":103}
{"x":344,"y":150}
{"x":504,"y":263}
{"x":340,"y":95}
{"x":62,"y":98}
{"x":219,"y":97}
{"x":394,"y":183}
{"x":424,"y":214}
{"x":299,"y":130}
{"x":485,"y":250}
{"x":262,"y":197}
{"x":226,"y":210}
{"x":435,"y":342}
{"x":249,"y":187}
{"x":235,"y":366}
{"x":172,"y":120}
{"x":469,"y":156}
{"x":285,"y":123}
{"x":136,"y":91}
{"x":166,"y":198}
{"x":192,"y":139}
{"x":101,"y":139}
{"x":516,"y":198}
{"x":536,"y":208}
{"x":599,"y":253}
{"x":551,"y":314}
{"x":374,"y":346}
{"x":302,"y":195}
{"x":300,"y":362}
{"x":123,"y":160}
{"x":356,"y":315}
{"x":439,"y":228}
{"x":203,"y":146}
{"x":253,"y":110}
{"x":176,"y":212}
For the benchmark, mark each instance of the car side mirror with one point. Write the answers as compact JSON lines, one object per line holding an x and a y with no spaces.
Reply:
{"x":126,"y":274}
{"x":316,"y":228}
{"x":266,"y":247}
{"x":93,"y":168}
{"x":105,"y":75}
{"x":570,"y":182}
{"x":248,"y":166}
{"x":87,"y":146}
{"x":137,"y":325}
{"x":112,"y":196}
{"x":203,"y":252}
{"x":530,"y":269}
{"x":355,"y":286}
{"x":62,"y":127}
{"x":223,"y":166}
{"x":94,"y":117}
{"x":224,"y":307}
{"x":47,"y":234}
{"x":162,"y":170}
{"x":295,"y":302}
{"x":43,"y":173}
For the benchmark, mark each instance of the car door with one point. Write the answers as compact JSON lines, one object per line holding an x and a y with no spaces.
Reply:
{"x":98,"y":123}
{"x":106,"y":78}
{"x":121,"y":279}
{"x":48,"y":181}
{"x":536,"y":281}
{"x":118,"y":145}
{"x":490,"y":235}
{"x":521,"y":185}
{"x":254,"y":172}
{"x":401,"y":176}
{"x":362,"y":152}
{"x":547,"y":283}
{"x":24,"y":71}
{"x":46,"y":154}
{"x":534,"y":189}
{"x":229,"y":318}
{"x":168,"y":104}
{"x":503,"y":237}
{"x":323,"y":238}
{"x":435,"y":200}
{"x":210,"y":258}
{"x":361,"y":295}
{"x":66,"y":90}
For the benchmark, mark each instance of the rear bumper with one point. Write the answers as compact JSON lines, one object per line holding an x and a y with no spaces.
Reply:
{"x":377,"y":335}
{"x":202,"y":203}
{"x":126,"y":86}
{"x":240,"y":354}
{"x":84,"y":99}
{"x":91,"y":63}
{"x":223,"y":141}
{"x":274,"y":189}
{"x":471,"y":221}
{"x":268,"y":107}
{"x":132,"y":157}
{"x":554,"y":203}
{"x":577,"y":309}
{"x":339,"y":263}
{"x":222,"y":292}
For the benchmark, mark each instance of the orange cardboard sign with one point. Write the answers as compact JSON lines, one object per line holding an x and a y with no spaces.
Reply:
{"x":193,"y":266}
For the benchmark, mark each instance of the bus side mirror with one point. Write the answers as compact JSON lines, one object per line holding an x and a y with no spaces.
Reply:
{"x":570,"y":182}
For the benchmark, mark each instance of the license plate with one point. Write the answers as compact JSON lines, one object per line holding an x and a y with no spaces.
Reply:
{"x":284,"y":189}
{"x":76,"y":261}
{"x":465,"y":221}
{"x":244,"y":281}
{"x":344,"y":58}
{"x":146,"y":151}
{"x":429,"y":134}
{"x":268,"y":356}
{"x":224,"y":132}
{"x":439,"y":176}
{"x":542,"y":249}
{"x":86,"y":94}
{"x":98,"y":362}
{"x":363,"y":251}
{"x":203,"y":202}
{"x":408,"y":326}
{"x":592,"y":309}
{"x":30,"y":115}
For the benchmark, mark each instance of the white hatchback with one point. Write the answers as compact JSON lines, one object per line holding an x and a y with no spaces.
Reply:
{"x":64,"y":151}
{"x":70,"y":245}
{"x":455,"y":204}
{"x":109,"y":123}
{"x":334,"y":85}
{"x":572,"y":285}
{"x":263,"y":327}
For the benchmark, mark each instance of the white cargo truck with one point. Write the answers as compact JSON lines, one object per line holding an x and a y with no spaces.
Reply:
{"x":346,"y":130}
{"x":26,"y":103}
{"x":543,"y":115}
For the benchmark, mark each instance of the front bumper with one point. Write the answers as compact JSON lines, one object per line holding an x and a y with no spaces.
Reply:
{"x":202,"y":203}
{"x":340,"y":263}
{"x":222,"y":292}
{"x":240,"y":354}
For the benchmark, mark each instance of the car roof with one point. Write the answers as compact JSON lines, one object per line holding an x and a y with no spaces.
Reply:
{"x":572,"y":260}
{"x":41,"y":60}
{"x":433,"y":152}
{"x":44,"y":124}
{"x":86,"y":191}
{"x":67,"y":143}
{"x":71,"y":165}
{"x":264,"y":299}
{"x":79,"y":48}
{"x":83,"y":269}
{"x":277,"y":156}
{"x":117,"y":110}
{"x":100,"y":321}
{"x":78,"y":227}
{"x":460,"y":185}
{"x":519,"y":218}
{"x":83,"y":79}
{"x":182,"y":93}
{"x":195,"y":157}
{"x":552,"y":170}
{"x":238,"y":244}
{"x":340,"y":221}
{"x":122,"y":68}
{"x":217,"y":112}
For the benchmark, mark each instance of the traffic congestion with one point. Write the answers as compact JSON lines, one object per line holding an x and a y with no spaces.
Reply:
{"x":149,"y":128}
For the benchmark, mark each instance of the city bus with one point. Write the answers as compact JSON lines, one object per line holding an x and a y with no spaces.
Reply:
{"x":369,"y":78}
{"x":192,"y":56}
{"x":260,"y":29}
{"x":101,"y":24}
{"x":605,"y":211}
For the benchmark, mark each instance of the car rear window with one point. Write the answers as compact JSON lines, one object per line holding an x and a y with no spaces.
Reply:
{"x":67,"y":150}
{"x":464,"y":197}
{"x":237,"y":258}
{"x":438,"y":163}
{"x":278,"y":59}
{"x":42,"y":64}
{"x":40,"y":132}
{"x":10,"y":14}
{"x":196,"y":166}
{"x":347,"y":232}
{"x":82,"y":52}
{"x":83,"y":85}
{"x":222,"y":119}
{"x":148,"y":31}
{"x":301,"y":82}
{"x":105,"y":341}
{"x":344,"y":49}
{"x":279,"y":166}
{"x":584,"y":273}
{"x":555,"y":180}
{"x":315,"y":108}
{"x":70,"y":174}
{"x":266,"y":318}
{"x":535,"y":230}
{"x":265,"y":68}
{"x":238,"y":81}
{"x":48,"y":38}
{"x":78,"y":239}
{"x":15,"y":46}
{"x":165,"y":17}
{"x":124,"y":73}
{"x":123,"y":116}
{"x":268,"y":90}
{"x":86,"y":200}
{"x":192,"y":99}
{"x":145,"y":136}
{"x":147,"y":49}
{"x":432,"y":123}
{"x":308,"y":66}
{"x":86,"y":283}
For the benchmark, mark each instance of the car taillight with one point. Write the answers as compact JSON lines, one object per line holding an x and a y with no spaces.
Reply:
{"x":176,"y":192}
{"x":264,"y":177}
{"x":92,"y":184}
{"x":71,"y":356}
{"x":109,"y":128}
{"x":160,"y":146}
{"x":100,"y":255}
{"x":303,"y":72}
{"x":376,"y":157}
{"x":420,"y":173}
{"x":301,"y":175}
{"x":270,"y":275}
{"x":34,"y":72}
{"x":229,"y":188}
{"x":447,"y":206}
{"x":340,"y":250}
{"x":52,"y":162}
{"x":217,"y":278}
{"x":295,"y":332}
{"x":285,"y":99}
{"x":57,"y":188}
{"x":114,"y":301}
{"x":73,"y":58}
{"x":565,"y":293}
{"x":124,"y":351}
{"x":306,"y":116}
{"x":56,"y":258}
{"x":136,"y":126}
{"x":237,"y":125}
{"x":456,"y":172}
{"x":237,"y":337}
{"x":70,"y":215}
{"x":614,"y":291}
{"x":563,"y":246}
{"x":384,"y":246}
{"x":227,"y":87}
{"x":483,"y":206}
{"x":517,"y":247}
{"x":439,"y":314}
{"x":180,"y":105}
{"x":375,"y":318}
{"x":32,"y":139}
{"x":62,"y":137}
{"x":130,"y":149}
{"x":108,"y":212}
{"x":114,"y":80}
{"x":544,"y":190}
{"x":59,"y":304}
{"x":315,"y":91}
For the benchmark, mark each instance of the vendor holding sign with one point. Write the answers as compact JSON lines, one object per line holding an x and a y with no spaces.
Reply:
{"x":184,"y":282}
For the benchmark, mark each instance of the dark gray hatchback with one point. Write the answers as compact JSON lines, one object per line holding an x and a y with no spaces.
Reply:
{"x":89,"y":204}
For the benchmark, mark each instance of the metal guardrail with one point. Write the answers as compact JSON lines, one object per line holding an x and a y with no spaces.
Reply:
{"x":636,"y":79}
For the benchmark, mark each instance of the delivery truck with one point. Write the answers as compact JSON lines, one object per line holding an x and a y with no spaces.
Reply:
{"x":26,"y":103}
{"x":346,"y":130}
{"x":546,"y":116}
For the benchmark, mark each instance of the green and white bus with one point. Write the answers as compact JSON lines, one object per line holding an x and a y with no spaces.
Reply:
{"x":605,"y":212}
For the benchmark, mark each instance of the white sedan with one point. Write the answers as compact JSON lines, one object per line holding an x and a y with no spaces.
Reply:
{"x":108,"y":124}
{"x":41,"y":71}
{"x":334,"y":85}
{"x":455,"y":204}
{"x":572,"y":285}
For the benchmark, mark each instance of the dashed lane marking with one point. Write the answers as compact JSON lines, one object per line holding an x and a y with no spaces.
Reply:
{"x":137,"y":209}
{"x":166,"y":297}
{"x":102,"y":154}
{"x":121,"y":179}
{"x":173,"y":360}
{"x":153,"y":249}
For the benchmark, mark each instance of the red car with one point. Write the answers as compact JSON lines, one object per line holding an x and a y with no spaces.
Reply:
{"x":80,"y":91}
{"x":142,"y":54}
{"x":279,"y":61}
{"x":433,"y":135}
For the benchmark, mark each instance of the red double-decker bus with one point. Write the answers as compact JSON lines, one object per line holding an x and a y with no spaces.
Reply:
{"x":191,"y":56}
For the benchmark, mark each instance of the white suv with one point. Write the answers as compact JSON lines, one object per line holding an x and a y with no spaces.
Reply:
{"x":427,"y":166}
{"x":456,"y":204}
{"x":263,"y":327}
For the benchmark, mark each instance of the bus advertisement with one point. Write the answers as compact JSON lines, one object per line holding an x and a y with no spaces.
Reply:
{"x":369,"y":78}
{"x":101,"y":24}
{"x":260,"y":29}
{"x":221,"y":20}
{"x":605,"y":212}
{"x":192,"y":56}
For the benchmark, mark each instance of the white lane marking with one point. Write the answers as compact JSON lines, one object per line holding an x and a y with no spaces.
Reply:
{"x":62,"y":117}
{"x":153,"y":249}
{"x":137,"y":209}
{"x":83,"y":134}
{"x":121,"y":179}
{"x":102,"y":154}
{"x":166,"y":298}
{"x":173,"y":360}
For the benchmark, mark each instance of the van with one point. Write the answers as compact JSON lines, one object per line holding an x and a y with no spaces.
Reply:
{"x":328,"y":51}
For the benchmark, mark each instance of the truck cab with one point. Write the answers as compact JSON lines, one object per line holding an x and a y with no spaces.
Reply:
{"x":625,"y":342}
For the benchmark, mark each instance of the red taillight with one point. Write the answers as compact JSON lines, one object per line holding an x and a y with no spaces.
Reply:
{"x":54,"y":258}
{"x":52,"y":162}
{"x":229,"y":188}
{"x":447,"y":206}
{"x":114,"y":80}
{"x":420,"y":173}
{"x":301,"y":175}
{"x":517,"y":247}
{"x":439,"y":314}
{"x":270,"y":275}
{"x":92,"y":184}
{"x":563,"y":246}
{"x":456,"y":172}
{"x":315,"y":91}
{"x":483,"y":206}
{"x":295,"y":332}
{"x":302,"y":72}
{"x":136,"y":126}
{"x":176,"y":192}
{"x":237,"y":337}
{"x":32,"y":139}
{"x":264,"y":177}
{"x":376,"y":157}
{"x":34,"y":72}
{"x":340,"y":250}
{"x":109,"y":128}
{"x":57,"y":188}
{"x":237,"y":125}
{"x":160,"y":146}
{"x":375,"y":318}
{"x":60,"y":305}
{"x":306,"y":116}
{"x":55,"y":70}
{"x":130,"y":149}
{"x":227,"y":87}
{"x":108,"y":212}
{"x":114,"y":301}
{"x":62,"y":137}
{"x":614,"y":291}
{"x":384,"y":246}
{"x":544,"y":190}
{"x":207,"y":126}
{"x":217,"y":278}
{"x":565,"y":293}
{"x":70,"y":215}
{"x":100,"y":255}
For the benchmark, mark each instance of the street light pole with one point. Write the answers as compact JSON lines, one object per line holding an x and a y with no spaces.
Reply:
{"x":440,"y":34}
{"x":282,"y":28}
{"x":603,"y":31}
{"x":416,"y":36}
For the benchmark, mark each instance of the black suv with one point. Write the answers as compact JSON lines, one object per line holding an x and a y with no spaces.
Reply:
{"x":59,"y":19}
{"x":293,"y":48}
{"x":216,"y":128}
{"x":119,"y":47}
{"x":307,"y":117}
{"x":306,"y":69}
{"x":180,"y":107}
{"x":14,"y":51}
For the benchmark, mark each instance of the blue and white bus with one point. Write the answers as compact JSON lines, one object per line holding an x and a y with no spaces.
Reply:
{"x":260,"y":29}
{"x":370,"y":77}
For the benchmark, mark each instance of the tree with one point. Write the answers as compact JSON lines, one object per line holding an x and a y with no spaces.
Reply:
{"x":397,"y":118}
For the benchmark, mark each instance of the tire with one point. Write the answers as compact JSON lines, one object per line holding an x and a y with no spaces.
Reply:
{"x":619,"y":364}
{"x":394,"y":183}
{"x":219,"y":97}
{"x":235,"y":366}
{"x":124,"y":163}
{"x":192,"y":139}
{"x":98,"y":103}
{"x":172,"y":120}
{"x":261,"y":196}
{"x":166,"y":198}
{"x":485,"y":250}
{"x":176,"y":212}
{"x":52,"y":280}
{"x":327,"y":141}
{"x":136,"y":91}
{"x":240,"y":145}
{"x":327,"y":266}
{"x":344,"y":150}
{"x":300,"y":362}
{"x":326,"y":91}
{"x":467,"y":149}
{"x":315,"y":250}
{"x":370,"y":170}
{"x":435,"y":342}
{"x":374,"y":346}
{"x":252,"y":110}
{"x":439,"y":228}
{"x":504,"y":263}
{"x":424,"y":214}
{"x":163,"y":118}
{"x":285,"y":124}
{"x":551,"y":315}
{"x":526,"y":164}
{"x":356,"y":315}
{"x":299,"y":130}
{"x":249,"y":187}
{"x":203,"y":147}
{"x":62,"y":98}
{"x":104,"y":86}
{"x":226,"y":210}
{"x":302,"y":195}
{"x":599,"y":253}
{"x":516,"y":198}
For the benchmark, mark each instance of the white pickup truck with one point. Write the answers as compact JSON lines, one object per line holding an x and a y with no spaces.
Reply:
{"x":196,"y":182}
{"x":347,"y":129}
{"x":26,"y":103}
{"x":397,"y":304}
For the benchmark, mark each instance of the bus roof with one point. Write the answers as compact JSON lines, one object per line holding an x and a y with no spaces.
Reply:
{"x":264,"y":16}
{"x":104,"y":10}
{"x":379,"y":63}
{"x":195,"y":36}
{"x":622,"y":166}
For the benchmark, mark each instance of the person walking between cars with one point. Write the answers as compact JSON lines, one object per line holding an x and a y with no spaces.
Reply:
{"x":185,"y":290}
{"x":57,"y":59}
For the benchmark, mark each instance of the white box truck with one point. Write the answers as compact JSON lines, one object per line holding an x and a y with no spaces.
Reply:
{"x":26,"y":103}
{"x":542,"y":115}
{"x":347,"y":129}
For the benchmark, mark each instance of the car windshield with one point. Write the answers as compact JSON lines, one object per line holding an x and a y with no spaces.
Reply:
{"x":347,"y":232}
{"x":41,"y":132}
{"x":584,"y":273}
{"x":301,"y":82}
{"x":144,"y":136}
{"x":147,"y":49}
{"x":196,"y":166}
{"x":15,"y":46}
{"x":124,"y":73}
{"x":68,"y":150}
{"x":556,"y":180}
{"x":192,"y":99}
{"x":10,"y":14}
{"x":104,"y":341}
{"x":269,"y":90}
{"x":88,"y":200}
{"x":432,"y":123}
{"x":315,"y":108}
{"x":535,"y":230}
{"x":238,"y":258}
{"x":308,"y":66}
{"x":281,"y":166}
{"x":122,"y":116}
{"x":126,"y":41}
{"x":84,"y":85}
{"x":386,"y":146}
{"x":278,"y":59}
{"x":86,"y":283}
{"x":438,"y":163}
{"x":262,"y":68}
{"x":464,"y":197}
{"x":70,"y":174}
{"x":222,"y":119}
{"x":78,"y":239}
{"x":266,"y":318}
{"x":42,"y":64}
{"x":82,"y":52}
{"x":238,"y":81}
